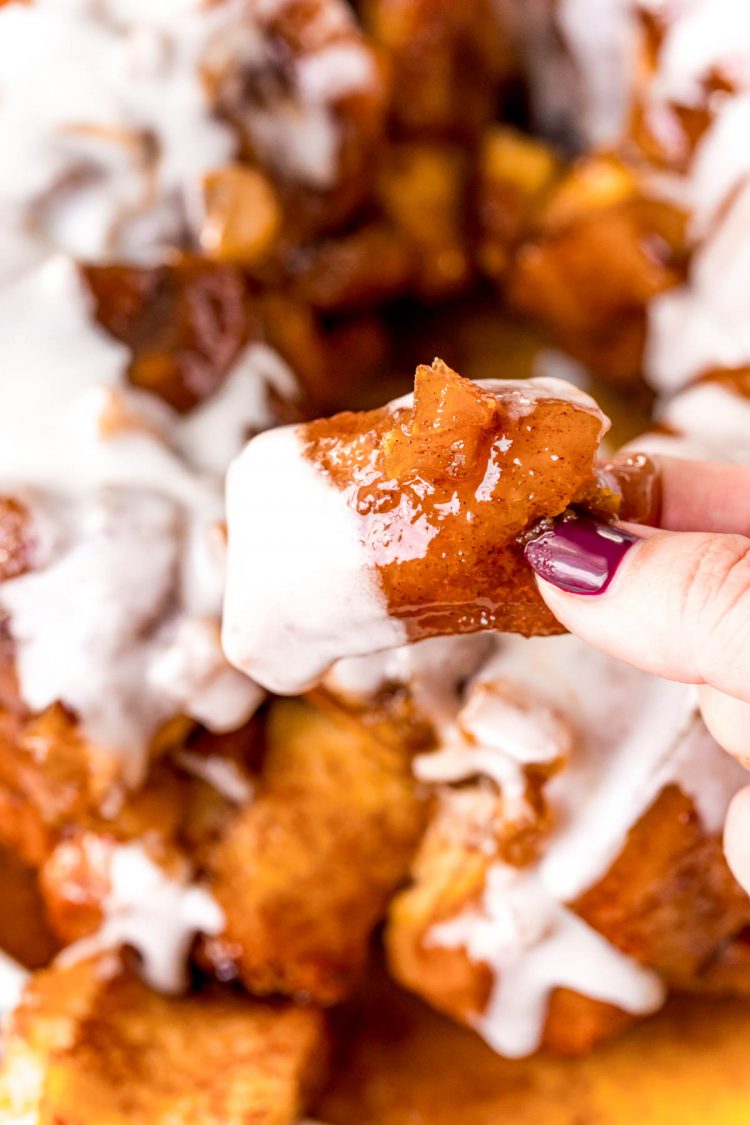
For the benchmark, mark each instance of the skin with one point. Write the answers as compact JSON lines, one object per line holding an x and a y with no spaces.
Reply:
{"x":679,"y":606}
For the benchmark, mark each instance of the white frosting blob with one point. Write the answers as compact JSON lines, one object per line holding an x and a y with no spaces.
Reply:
{"x":703,"y":323}
{"x":622,"y":736}
{"x":536,"y":946}
{"x":103,"y":160}
{"x":301,"y":592}
{"x":13,"y":978}
{"x":156,"y":913}
{"x":119,"y":617}
{"x":579,"y":57}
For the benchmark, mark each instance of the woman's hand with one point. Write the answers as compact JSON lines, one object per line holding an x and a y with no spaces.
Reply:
{"x":675,"y":602}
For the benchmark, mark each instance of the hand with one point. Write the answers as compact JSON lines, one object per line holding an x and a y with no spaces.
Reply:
{"x":675,"y":602}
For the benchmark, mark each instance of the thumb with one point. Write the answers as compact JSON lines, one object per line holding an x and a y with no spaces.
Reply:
{"x":673,"y":603}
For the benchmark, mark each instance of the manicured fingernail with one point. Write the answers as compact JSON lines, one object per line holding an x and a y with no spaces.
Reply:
{"x":580,"y":556}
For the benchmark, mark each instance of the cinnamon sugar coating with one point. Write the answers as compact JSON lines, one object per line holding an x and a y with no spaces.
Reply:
{"x":445,"y":488}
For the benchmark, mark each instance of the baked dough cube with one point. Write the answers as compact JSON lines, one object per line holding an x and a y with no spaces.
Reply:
{"x":307,"y":869}
{"x":91,"y":1045}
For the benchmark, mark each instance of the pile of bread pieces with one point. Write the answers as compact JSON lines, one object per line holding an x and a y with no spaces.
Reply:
{"x":393,"y":850}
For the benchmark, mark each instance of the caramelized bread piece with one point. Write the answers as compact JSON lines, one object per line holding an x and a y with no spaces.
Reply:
{"x":91,"y":1045}
{"x":598,"y":213}
{"x":451,"y":875}
{"x":363,"y":531}
{"x":572,"y":870}
{"x":184,"y":324}
{"x":24,"y":932}
{"x":306,"y":870}
{"x":669,"y":901}
{"x":446,"y":60}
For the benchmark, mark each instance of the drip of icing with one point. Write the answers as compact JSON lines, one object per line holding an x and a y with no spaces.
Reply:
{"x":13,"y":978}
{"x":708,"y":421}
{"x":222,"y":774}
{"x":499,"y":730}
{"x":102,"y":162}
{"x":433,"y":669}
{"x":536,"y":946}
{"x":189,"y":673}
{"x":634,"y":734}
{"x":119,"y":617}
{"x":703,"y":324}
{"x":214,"y":432}
{"x":579,"y":56}
{"x":284,"y":517}
{"x":156,"y":913}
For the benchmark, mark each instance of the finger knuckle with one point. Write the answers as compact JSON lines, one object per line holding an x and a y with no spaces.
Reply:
{"x":716,"y":594}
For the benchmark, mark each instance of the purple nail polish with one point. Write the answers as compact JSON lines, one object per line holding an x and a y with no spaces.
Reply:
{"x":580,"y":556}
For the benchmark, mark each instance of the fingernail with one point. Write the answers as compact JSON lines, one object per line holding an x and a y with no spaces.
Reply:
{"x":580,"y":556}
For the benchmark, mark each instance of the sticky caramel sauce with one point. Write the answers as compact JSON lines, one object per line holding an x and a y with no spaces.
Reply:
{"x":446,"y":489}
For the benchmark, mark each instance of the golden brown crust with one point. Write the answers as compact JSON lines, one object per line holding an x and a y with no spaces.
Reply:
{"x":445,"y":489}
{"x":305,"y":872}
{"x":91,"y":1044}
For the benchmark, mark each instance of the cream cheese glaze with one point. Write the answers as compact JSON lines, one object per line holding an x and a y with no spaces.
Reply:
{"x":579,"y":56}
{"x":156,"y":912}
{"x":282,"y":513}
{"x":13,"y":978}
{"x":106,"y":160}
{"x":703,"y":324}
{"x":119,"y":617}
{"x":622,"y":736}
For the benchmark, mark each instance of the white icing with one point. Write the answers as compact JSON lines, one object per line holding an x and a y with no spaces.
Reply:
{"x":601,"y":37}
{"x":222,"y":774}
{"x":432,"y":669}
{"x":711,"y":422}
{"x":102,"y":160}
{"x":301,"y":592}
{"x":13,"y":978}
{"x":701,"y":36}
{"x":119,"y":617}
{"x":298,"y":135}
{"x":536,"y":946}
{"x":189,"y":673}
{"x":626,"y":736}
{"x":703,"y":323}
{"x":578,"y":55}
{"x":155,"y":912}
{"x":216,"y":430}
{"x":498,"y":731}
{"x":714,"y":418}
